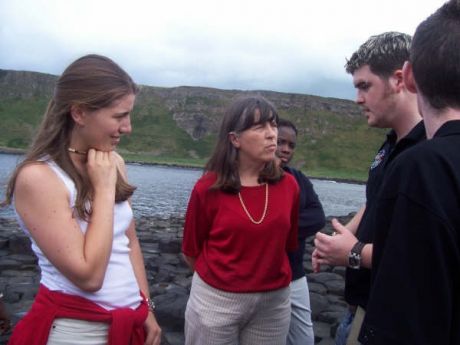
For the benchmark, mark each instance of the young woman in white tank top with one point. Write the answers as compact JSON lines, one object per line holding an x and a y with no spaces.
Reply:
{"x":71,"y":197}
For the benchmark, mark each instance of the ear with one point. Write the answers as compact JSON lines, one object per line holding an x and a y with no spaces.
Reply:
{"x":397,"y":80}
{"x":408,"y":75}
{"x":234,"y":139}
{"x":78,"y":114}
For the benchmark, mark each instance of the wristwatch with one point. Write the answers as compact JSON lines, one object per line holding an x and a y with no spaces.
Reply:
{"x":150,"y":305}
{"x":354,"y":257}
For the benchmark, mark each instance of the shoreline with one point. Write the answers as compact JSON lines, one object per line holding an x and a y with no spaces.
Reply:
{"x":17,"y":151}
{"x":12,"y":151}
{"x":164,"y":164}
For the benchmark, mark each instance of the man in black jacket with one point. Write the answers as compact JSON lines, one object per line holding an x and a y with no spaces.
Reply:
{"x":415,"y":293}
{"x":311,"y":219}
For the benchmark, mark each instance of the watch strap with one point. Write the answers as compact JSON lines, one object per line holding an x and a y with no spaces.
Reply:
{"x":358,"y":248}
{"x":354,"y":257}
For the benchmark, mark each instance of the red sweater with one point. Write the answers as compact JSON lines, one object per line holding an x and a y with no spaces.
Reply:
{"x":126,"y":325}
{"x":232,"y":253}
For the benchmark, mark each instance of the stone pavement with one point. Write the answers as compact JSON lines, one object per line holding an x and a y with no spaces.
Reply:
{"x":169,"y":278}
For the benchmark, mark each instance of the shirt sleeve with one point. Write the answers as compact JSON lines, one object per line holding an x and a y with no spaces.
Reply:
{"x":196,"y":226}
{"x":414,"y":279}
{"x":292,"y":243}
{"x":311,"y":213}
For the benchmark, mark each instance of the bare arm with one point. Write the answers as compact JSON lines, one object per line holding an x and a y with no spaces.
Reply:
{"x":42,"y":201}
{"x":151,"y":325}
{"x":153,"y":330}
{"x":353,"y":224}
{"x":366,"y":255}
{"x":137,"y":260}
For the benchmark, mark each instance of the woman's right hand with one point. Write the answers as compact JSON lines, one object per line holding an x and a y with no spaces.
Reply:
{"x":102,"y":170}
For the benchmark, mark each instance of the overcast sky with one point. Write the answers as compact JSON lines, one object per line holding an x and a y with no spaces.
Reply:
{"x":284,"y":45}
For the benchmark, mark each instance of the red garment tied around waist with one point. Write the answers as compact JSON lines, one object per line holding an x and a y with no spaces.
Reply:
{"x":126,"y":324}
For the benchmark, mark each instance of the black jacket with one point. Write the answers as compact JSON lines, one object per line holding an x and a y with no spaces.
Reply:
{"x":311,"y":219}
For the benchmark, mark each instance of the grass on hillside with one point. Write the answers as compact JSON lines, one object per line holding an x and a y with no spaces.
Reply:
{"x":19,"y":120}
{"x":329,"y":145}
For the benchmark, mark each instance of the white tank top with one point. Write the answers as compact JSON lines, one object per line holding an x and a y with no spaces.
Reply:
{"x":120,"y":288}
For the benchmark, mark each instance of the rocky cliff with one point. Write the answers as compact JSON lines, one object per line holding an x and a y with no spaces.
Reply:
{"x":21,"y":84}
{"x":197,"y":110}
{"x":182,"y":122}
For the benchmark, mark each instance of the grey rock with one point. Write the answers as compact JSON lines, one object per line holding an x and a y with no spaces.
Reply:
{"x":170,"y":310}
{"x":318,"y":304}
{"x":340,"y":270}
{"x":327,"y":341}
{"x":3,"y":243}
{"x":322,"y":331}
{"x":170,"y":245}
{"x":337,"y":300}
{"x":19,"y":244}
{"x":335,"y":286}
{"x":317,"y":288}
{"x":307,"y":266}
{"x":174,"y":338}
{"x":168,"y":276}
{"x":24,"y":259}
{"x":331,"y":317}
{"x":323,"y":277}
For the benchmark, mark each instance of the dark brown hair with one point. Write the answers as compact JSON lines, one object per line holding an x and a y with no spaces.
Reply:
{"x":435,"y":57}
{"x":242,"y":114}
{"x":91,"y":82}
{"x":384,"y":53}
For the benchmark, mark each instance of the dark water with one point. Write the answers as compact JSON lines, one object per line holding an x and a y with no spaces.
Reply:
{"x":164,"y":191}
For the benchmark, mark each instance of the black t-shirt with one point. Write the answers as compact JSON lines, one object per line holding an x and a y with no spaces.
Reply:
{"x":415,"y":295}
{"x":357,"y":282}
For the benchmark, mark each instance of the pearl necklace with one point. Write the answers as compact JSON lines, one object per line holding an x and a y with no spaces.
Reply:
{"x":265,"y":207}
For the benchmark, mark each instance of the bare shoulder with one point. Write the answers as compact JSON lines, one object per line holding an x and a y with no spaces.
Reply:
{"x":120,"y":164}
{"x":42,"y":201}
{"x":119,"y":159}
{"x":37,"y":178}
{"x":33,"y":173}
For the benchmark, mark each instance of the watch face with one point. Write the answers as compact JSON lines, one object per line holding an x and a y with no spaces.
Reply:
{"x":354,"y":260}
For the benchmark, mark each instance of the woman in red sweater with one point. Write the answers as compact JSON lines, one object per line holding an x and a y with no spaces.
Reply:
{"x":241,"y":221}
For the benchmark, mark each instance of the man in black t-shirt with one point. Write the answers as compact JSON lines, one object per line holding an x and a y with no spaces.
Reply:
{"x":376,"y":68}
{"x":415,"y":292}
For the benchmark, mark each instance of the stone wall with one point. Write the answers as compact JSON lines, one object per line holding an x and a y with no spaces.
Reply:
{"x":169,"y":278}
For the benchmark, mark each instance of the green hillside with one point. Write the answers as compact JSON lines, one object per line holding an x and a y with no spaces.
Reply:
{"x":178,"y":125}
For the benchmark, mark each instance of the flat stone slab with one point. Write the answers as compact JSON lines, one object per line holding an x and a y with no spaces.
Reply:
{"x":168,"y":276}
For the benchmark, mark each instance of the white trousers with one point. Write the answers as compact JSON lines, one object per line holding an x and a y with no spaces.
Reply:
{"x":216,"y":317}
{"x":301,"y":327}
{"x":78,"y":332}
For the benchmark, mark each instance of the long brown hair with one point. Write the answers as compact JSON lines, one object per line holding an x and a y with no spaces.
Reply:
{"x":92,"y":82}
{"x":242,"y":114}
